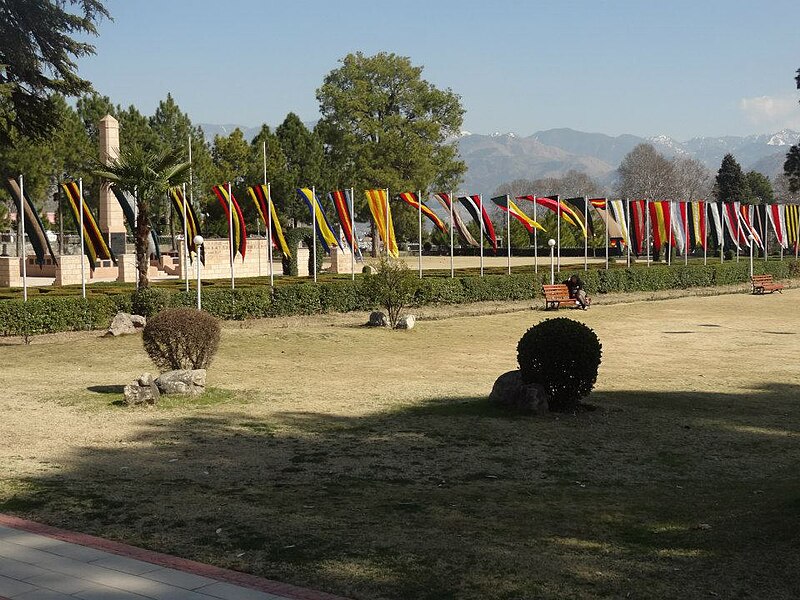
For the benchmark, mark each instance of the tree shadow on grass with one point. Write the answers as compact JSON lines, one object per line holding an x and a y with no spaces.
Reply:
{"x":670,"y":494}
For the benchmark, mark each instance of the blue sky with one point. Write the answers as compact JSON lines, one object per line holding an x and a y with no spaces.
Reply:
{"x":677,"y":67}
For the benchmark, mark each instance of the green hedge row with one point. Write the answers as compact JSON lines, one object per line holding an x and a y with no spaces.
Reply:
{"x":52,"y":314}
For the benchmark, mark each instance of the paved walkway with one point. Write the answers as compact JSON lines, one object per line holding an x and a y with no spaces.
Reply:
{"x":38,"y":562}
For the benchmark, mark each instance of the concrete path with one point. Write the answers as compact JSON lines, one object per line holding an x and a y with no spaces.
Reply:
{"x":38,"y":562}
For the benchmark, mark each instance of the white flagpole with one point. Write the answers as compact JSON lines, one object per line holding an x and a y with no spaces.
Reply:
{"x":535,"y":239}
{"x":135,"y":225}
{"x":191,"y":203}
{"x":606,"y":221}
{"x":508,"y":231}
{"x":419,"y":202}
{"x":185,"y":241}
{"x":765,"y":231}
{"x":83,"y":242}
{"x":269,"y":218}
{"x":452,"y":268}
{"x":270,"y":256}
{"x":558,"y":227}
{"x":230,"y":233}
{"x":586,"y":233}
{"x":314,"y":229}
{"x":386,"y":228}
{"x":480,"y":212}
{"x":647,"y":228}
{"x":669,"y":237}
{"x":722,"y":240}
{"x":685,"y":232}
{"x":628,"y":229}
{"x":705,"y":231}
{"x":21,"y":223}
{"x":353,"y":238}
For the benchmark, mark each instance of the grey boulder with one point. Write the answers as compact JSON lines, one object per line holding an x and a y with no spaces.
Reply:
{"x":182,"y":381}
{"x":142,"y":391}
{"x":511,"y":392}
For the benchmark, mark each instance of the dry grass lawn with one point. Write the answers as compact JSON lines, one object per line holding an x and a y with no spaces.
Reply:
{"x":367,"y":463}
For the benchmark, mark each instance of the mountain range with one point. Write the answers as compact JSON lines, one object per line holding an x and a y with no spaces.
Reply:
{"x":502,"y":157}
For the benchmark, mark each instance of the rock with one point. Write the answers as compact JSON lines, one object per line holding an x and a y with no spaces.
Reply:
{"x":406,"y":322}
{"x":142,"y":391}
{"x":122,"y":324}
{"x":368,"y":270}
{"x":510,"y":391}
{"x":182,"y":381}
{"x":138,"y":321}
{"x":377,"y":319}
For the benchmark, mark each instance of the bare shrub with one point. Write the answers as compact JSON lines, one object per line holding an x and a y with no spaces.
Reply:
{"x":181,"y":338}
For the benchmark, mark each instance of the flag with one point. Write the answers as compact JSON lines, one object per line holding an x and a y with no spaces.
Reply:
{"x":239,"y":241}
{"x":343,"y":203}
{"x":261,"y":196}
{"x":192,"y":227}
{"x":411,"y":198}
{"x":127,"y":203}
{"x":679,"y":218}
{"x":792,"y":218}
{"x":444,"y":200}
{"x":326,"y":236}
{"x":748,"y":214}
{"x":617,"y":210}
{"x":478,"y":213}
{"x":507,"y":205}
{"x":777,"y":216}
{"x":580,"y":207}
{"x":638,"y":221}
{"x":661,"y":223}
{"x":566,"y":212}
{"x":717,"y":230}
{"x":94,"y":246}
{"x":730,"y":214}
{"x":34,"y":228}
{"x":696,"y":220}
{"x":379,"y":207}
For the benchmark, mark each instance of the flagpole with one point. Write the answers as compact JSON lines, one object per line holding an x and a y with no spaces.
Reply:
{"x":83,"y":240}
{"x":386,"y":228}
{"x":21,"y":223}
{"x":796,"y":232}
{"x":353,"y":240}
{"x":705,"y":231}
{"x":647,"y":228}
{"x":685,"y":233}
{"x":765,"y":230}
{"x":558,"y":227}
{"x":270,"y":256}
{"x":452,"y":267}
{"x":480,"y":212}
{"x":508,"y":231}
{"x":607,"y":242}
{"x":669,"y":237}
{"x":314,"y":229}
{"x":419,"y":214}
{"x":722,"y":241}
{"x":628,"y":229}
{"x":230,"y":233}
{"x":535,"y":239}
{"x":185,"y":241}
{"x":585,"y":233}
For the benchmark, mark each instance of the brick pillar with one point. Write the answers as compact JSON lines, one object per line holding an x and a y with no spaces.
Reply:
{"x":112,"y":221}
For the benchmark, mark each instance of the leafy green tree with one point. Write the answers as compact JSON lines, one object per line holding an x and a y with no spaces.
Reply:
{"x":281,"y":190}
{"x":150,"y":174}
{"x":91,"y":108}
{"x":731,"y":183}
{"x":383,"y":125}
{"x":759,"y":188}
{"x":38,"y":55}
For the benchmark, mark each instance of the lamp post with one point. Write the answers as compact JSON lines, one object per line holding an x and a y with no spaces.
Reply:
{"x":198,"y":244}
{"x":551,"y":242}
{"x":751,"y":239}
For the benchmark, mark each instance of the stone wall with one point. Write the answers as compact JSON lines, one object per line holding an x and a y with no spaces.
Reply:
{"x":255,"y":263}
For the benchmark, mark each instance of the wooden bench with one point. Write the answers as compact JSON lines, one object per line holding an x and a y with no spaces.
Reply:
{"x":764,"y":283}
{"x":556,"y":295}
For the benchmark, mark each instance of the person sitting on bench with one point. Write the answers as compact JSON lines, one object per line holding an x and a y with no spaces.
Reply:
{"x":576,"y":291}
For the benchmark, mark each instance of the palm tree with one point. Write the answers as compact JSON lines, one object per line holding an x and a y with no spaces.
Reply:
{"x":149,"y":175}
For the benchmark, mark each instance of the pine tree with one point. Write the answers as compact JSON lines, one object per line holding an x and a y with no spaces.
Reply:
{"x":731,"y":183}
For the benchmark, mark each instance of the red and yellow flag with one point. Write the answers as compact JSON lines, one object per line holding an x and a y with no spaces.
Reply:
{"x":239,"y":241}
{"x":378,"y":201}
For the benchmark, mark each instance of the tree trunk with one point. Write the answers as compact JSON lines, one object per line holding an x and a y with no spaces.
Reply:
{"x":374,"y":235}
{"x":142,"y":233}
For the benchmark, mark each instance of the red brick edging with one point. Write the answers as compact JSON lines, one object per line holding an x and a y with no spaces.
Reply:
{"x":165,"y":560}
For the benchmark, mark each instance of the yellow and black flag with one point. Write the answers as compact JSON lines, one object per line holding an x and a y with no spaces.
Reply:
{"x":94,"y":246}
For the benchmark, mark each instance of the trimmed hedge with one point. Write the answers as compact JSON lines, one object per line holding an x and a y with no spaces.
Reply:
{"x":49,"y":314}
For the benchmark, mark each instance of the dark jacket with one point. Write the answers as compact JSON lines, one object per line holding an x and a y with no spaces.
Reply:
{"x":574,"y":286}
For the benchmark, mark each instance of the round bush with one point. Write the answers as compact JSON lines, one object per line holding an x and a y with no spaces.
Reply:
{"x":181,"y":338}
{"x":149,"y":301}
{"x":563,"y":356}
